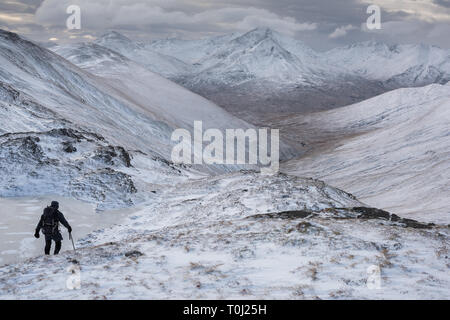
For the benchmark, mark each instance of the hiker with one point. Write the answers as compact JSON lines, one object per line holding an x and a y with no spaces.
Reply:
{"x":49,"y":224}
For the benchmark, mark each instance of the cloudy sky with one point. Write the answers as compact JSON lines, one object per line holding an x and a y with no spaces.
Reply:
{"x":322,"y":24}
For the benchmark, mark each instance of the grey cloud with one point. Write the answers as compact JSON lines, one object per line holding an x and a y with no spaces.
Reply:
{"x":20,"y":6}
{"x":443,"y":3}
{"x":312,"y":21}
{"x":104,"y":14}
{"x":415,"y":32}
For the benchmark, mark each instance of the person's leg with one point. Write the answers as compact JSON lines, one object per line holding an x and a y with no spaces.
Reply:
{"x":57,"y":246}
{"x":48,"y":245}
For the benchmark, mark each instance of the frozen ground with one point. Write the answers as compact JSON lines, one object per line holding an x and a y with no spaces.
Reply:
{"x":226,"y":237}
{"x":19,"y":217}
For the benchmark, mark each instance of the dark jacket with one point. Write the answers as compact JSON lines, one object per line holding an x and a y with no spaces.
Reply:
{"x":56,"y":234}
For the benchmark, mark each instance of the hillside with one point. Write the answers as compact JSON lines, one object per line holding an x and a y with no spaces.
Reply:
{"x":390,"y":151}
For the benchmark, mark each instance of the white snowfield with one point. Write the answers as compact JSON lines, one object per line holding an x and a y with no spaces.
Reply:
{"x":393,"y":152}
{"x":225,"y":238}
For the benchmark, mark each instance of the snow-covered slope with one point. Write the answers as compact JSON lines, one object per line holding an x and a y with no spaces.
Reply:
{"x":191,"y":51}
{"x":152,"y":92}
{"x":391,"y":151}
{"x":59,"y":131}
{"x":75,"y":95}
{"x":67,"y":131}
{"x":175,"y":105}
{"x":165,"y":65}
{"x":246,"y":236}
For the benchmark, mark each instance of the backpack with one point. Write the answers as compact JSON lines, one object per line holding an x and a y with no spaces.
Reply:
{"x":50,"y":221}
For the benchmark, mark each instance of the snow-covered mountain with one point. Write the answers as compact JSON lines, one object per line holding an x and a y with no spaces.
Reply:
{"x":282,"y":74}
{"x":395,"y":65}
{"x":265,"y":53}
{"x":285,"y":75}
{"x":258,"y":54}
{"x":390,"y":151}
{"x":224,"y":68}
{"x":165,"y":65}
{"x":243,"y":236}
{"x":67,"y":131}
{"x":190,"y":51}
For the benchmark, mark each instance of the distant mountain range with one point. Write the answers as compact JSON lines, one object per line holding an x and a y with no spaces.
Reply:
{"x":280,"y":73}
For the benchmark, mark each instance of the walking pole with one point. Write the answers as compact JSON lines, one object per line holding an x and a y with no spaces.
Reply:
{"x":73,"y":244}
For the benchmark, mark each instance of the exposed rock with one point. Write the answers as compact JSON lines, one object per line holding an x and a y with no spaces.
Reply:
{"x":108,"y":155}
{"x":66,"y":132}
{"x":73,"y":261}
{"x":68,"y":147}
{"x":303,"y":226}
{"x":296,"y":214}
{"x":363,"y":213}
{"x":373,"y":213}
{"x":133,"y":254}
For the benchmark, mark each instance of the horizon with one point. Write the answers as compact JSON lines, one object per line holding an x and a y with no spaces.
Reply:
{"x":48,"y":44}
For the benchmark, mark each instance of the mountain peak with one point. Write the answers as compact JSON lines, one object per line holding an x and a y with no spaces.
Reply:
{"x":114,"y":36}
{"x":368,"y":44}
{"x":256,"y":36}
{"x":260,"y":32}
{"x":117,"y":42}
